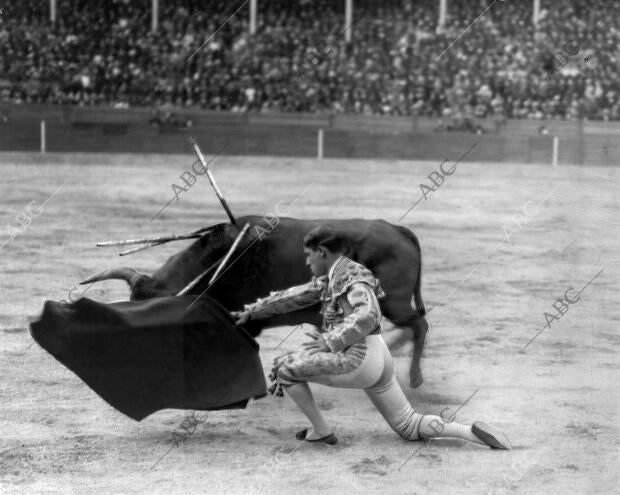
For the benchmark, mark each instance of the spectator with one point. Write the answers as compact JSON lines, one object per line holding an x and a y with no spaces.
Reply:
{"x":400,"y":62}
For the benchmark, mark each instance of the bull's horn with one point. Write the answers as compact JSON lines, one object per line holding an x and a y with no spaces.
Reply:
{"x":129,"y":275}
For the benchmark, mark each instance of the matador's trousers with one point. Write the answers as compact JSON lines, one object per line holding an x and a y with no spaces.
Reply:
{"x":365,"y":365}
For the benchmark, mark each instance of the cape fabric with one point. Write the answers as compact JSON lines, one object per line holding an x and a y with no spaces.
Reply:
{"x":143,"y":356}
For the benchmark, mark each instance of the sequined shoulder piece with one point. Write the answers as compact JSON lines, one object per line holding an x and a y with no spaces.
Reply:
{"x":348,"y":272}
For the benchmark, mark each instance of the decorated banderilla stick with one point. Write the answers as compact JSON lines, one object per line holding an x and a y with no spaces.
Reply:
{"x":152,"y":240}
{"x":205,"y":165}
{"x":194,"y":282}
{"x":222,"y":263}
{"x":140,"y":248}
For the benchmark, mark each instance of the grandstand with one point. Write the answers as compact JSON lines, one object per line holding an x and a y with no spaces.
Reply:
{"x":487,"y":128}
{"x":430,"y":58}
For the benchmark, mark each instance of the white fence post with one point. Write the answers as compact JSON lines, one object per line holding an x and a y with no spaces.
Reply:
{"x":43,"y":137}
{"x":253,"y":9}
{"x":154,"y":15}
{"x":348,"y":19}
{"x":53,"y":9}
{"x":556,"y":149}
{"x":319,"y":151}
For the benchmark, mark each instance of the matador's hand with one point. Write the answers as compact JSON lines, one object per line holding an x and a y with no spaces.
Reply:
{"x":317,"y":345}
{"x":313,"y":334}
{"x":241,"y":317}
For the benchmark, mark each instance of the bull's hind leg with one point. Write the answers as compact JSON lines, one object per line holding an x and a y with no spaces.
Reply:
{"x":419,"y":327}
{"x":401,"y":314}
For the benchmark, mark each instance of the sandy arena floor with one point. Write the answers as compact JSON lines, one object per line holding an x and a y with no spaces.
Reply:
{"x":488,"y":280}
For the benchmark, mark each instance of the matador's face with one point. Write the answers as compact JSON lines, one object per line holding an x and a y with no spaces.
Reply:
{"x":315,"y":259}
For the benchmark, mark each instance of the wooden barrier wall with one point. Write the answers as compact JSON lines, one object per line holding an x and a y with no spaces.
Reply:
{"x":97,"y":129}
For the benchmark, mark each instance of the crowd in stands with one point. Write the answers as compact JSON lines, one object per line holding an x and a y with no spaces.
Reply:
{"x":400,"y":60}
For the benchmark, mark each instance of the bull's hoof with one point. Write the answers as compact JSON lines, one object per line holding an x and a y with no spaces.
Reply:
{"x":416,"y":379}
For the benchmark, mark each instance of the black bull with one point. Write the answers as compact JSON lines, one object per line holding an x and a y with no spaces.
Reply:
{"x":270,"y":258}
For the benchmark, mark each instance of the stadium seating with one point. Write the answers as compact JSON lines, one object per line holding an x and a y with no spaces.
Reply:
{"x":399,"y":62}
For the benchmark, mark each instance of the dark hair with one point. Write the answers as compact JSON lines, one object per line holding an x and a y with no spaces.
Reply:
{"x":326,"y":236}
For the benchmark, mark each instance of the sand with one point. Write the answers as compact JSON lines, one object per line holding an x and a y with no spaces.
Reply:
{"x":493,"y":265}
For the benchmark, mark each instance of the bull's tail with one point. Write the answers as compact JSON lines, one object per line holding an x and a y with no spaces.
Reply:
{"x":417,"y":290}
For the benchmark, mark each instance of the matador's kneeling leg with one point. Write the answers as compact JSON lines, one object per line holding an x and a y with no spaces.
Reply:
{"x":389,"y":399}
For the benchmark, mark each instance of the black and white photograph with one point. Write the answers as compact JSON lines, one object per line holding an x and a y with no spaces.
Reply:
{"x":311,"y":247}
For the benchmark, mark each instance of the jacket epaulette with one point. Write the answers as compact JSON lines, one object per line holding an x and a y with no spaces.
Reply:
{"x":348,"y":272}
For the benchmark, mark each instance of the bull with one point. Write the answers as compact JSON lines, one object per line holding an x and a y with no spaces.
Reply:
{"x":271,"y":258}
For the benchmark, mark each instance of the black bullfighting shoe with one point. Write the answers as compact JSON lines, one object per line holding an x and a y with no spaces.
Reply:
{"x":490,"y":435}
{"x":329,"y":439}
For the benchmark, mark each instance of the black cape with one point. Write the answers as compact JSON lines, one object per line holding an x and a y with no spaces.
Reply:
{"x":143,"y":356}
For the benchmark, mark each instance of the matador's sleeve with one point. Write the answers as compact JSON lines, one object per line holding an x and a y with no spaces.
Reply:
{"x":364,"y":319}
{"x":288,"y":300}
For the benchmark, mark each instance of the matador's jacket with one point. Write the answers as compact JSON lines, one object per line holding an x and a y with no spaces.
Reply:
{"x":349,"y":295}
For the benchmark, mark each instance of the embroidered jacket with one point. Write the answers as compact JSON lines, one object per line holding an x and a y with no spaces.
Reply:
{"x":349,"y":296}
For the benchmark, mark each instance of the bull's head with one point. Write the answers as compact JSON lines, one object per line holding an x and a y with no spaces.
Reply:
{"x":179,"y":270}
